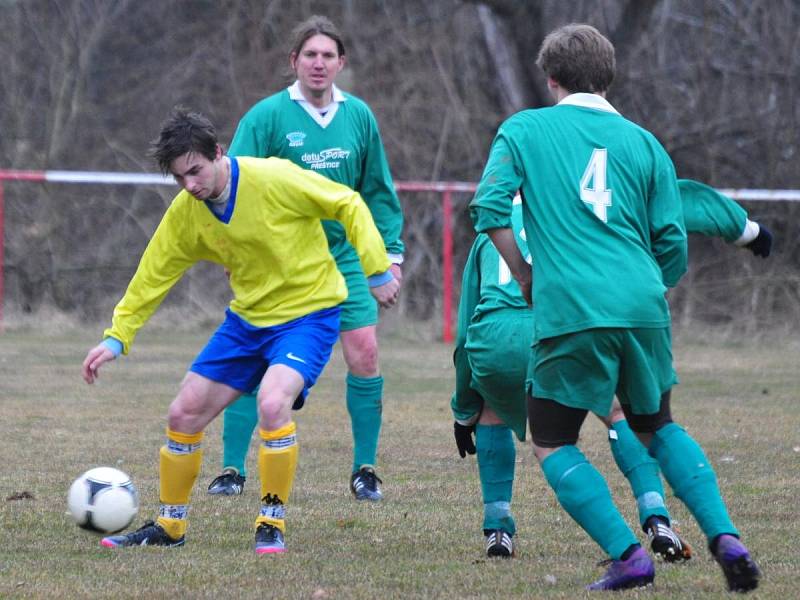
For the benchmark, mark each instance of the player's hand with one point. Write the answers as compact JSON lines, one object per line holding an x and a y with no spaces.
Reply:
{"x":463,"y":435}
{"x":397,"y":271}
{"x":762,"y":245}
{"x":525,"y":283}
{"x":386,"y":294}
{"x":96,"y":357}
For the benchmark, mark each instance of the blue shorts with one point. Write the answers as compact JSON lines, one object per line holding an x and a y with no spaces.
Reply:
{"x":239,"y":353}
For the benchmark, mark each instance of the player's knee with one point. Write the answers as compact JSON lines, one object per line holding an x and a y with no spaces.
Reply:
{"x":275,"y":409}
{"x":361,"y":354}
{"x":489,"y":417}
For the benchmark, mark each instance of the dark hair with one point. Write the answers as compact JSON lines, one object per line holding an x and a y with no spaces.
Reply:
{"x":315,"y":25}
{"x":579,"y":58}
{"x":184,"y":131}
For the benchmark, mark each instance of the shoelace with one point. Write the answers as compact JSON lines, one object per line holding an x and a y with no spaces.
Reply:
{"x":141,"y":534}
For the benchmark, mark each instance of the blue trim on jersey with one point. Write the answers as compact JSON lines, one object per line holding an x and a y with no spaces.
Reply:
{"x":114,"y":345}
{"x":226,"y":218}
{"x":238,"y":353}
{"x":380,"y":278}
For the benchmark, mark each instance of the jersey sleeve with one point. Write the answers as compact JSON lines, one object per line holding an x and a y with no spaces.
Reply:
{"x":311,"y":194}
{"x":250,"y":137}
{"x":377,"y":189}
{"x":466,"y":403}
{"x":165,"y":260}
{"x":665,"y":216}
{"x":707,"y":212}
{"x":501,"y":179}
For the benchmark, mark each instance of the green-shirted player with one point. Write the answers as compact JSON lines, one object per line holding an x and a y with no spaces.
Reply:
{"x":603,"y":220}
{"x":489,"y":400}
{"x":261,"y":219}
{"x":317,"y":126}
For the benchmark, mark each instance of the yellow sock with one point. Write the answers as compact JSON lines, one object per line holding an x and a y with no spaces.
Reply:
{"x":277,"y":462}
{"x":179,"y":466}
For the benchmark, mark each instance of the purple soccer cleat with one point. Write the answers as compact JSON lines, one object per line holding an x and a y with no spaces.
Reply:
{"x":739,"y":568}
{"x":637,"y":571}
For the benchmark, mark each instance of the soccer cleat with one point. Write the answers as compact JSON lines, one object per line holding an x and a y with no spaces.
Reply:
{"x":665,"y":543}
{"x":229,"y":483}
{"x":148,"y":534}
{"x":741,"y":571}
{"x":498,"y":543}
{"x":269,"y":540}
{"x":364,"y":484}
{"x":637,"y":571}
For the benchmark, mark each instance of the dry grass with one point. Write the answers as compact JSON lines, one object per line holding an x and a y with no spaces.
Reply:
{"x":423,"y":541}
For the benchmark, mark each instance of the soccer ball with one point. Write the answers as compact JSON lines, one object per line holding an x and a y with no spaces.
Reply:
{"x":103,"y":499}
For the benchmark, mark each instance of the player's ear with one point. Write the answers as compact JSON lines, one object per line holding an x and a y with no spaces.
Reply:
{"x":292,"y":61}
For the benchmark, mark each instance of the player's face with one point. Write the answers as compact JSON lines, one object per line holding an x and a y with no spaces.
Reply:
{"x":317,"y":65}
{"x":201,"y":177}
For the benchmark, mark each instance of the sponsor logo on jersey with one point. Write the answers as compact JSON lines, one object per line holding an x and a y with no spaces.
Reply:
{"x":325,"y":159}
{"x":295,"y":138}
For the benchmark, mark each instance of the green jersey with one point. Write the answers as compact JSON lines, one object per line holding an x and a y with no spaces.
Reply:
{"x":344,"y":145}
{"x":491,"y":304}
{"x":710,"y":213}
{"x":602,"y":214}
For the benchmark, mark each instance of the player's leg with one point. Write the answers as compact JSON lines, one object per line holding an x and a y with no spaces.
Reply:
{"x":229,"y":363}
{"x":682,"y":460}
{"x":570,"y":375}
{"x":197,"y":403}
{"x":297,"y":353}
{"x":644,"y":477}
{"x":497,"y":456}
{"x":498,"y":376}
{"x":364,"y":383}
{"x":238,"y":422}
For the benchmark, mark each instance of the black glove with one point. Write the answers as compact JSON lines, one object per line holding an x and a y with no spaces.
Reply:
{"x":463,"y":434}
{"x":762,"y":244}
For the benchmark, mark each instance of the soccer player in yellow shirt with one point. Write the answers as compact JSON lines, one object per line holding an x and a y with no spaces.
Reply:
{"x":261,"y":220}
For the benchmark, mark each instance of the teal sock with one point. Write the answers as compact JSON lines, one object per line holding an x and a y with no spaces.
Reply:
{"x":640,"y":469}
{"x":497,"y":456}
{"x":364,"y":403}
{"x":692,"y":478}
{"x":584,"y":494}
{"x":239,"y":420}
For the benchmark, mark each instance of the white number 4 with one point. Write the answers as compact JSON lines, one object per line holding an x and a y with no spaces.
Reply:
{"x":595,"y":176}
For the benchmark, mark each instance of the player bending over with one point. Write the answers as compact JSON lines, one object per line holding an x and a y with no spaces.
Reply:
{"x":261,"y":220}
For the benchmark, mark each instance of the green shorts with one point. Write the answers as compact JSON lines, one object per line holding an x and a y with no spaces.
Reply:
{"x":359,"y":309}
{"x":498,"y":348}
{"x":586,"y":368}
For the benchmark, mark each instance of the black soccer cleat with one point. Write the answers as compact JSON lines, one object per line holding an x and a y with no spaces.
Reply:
{"x":229,"y":483}
{"x":365,"y":485}
{"x":665,"y":543}
{"x":148,"y":534}
{"x":499,"y":543}
{"x":269,"y":540}
{"x":741,"y":571}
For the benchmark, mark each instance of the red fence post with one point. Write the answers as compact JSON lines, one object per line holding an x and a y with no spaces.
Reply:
{"x":447,"y":267}
{"x":2,"y":254}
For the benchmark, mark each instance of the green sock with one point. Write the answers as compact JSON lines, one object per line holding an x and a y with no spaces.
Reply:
{"x":640,"y":469}
{"x":497,"y":456}
{"x":692,"y":478}
{"x":365,"y":406}
{"x":239,"y":421}
{"x":584,"y":494}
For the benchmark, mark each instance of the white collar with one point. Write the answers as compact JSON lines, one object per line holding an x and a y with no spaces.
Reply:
{"x":323,"y":120}
{"x":587,"y":100}
{"x":296,"y":94}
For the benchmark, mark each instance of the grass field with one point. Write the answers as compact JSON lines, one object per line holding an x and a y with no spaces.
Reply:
{"x":424,"y":541}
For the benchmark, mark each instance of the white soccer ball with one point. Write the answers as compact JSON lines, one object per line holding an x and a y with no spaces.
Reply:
{"x":103,"y":499}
